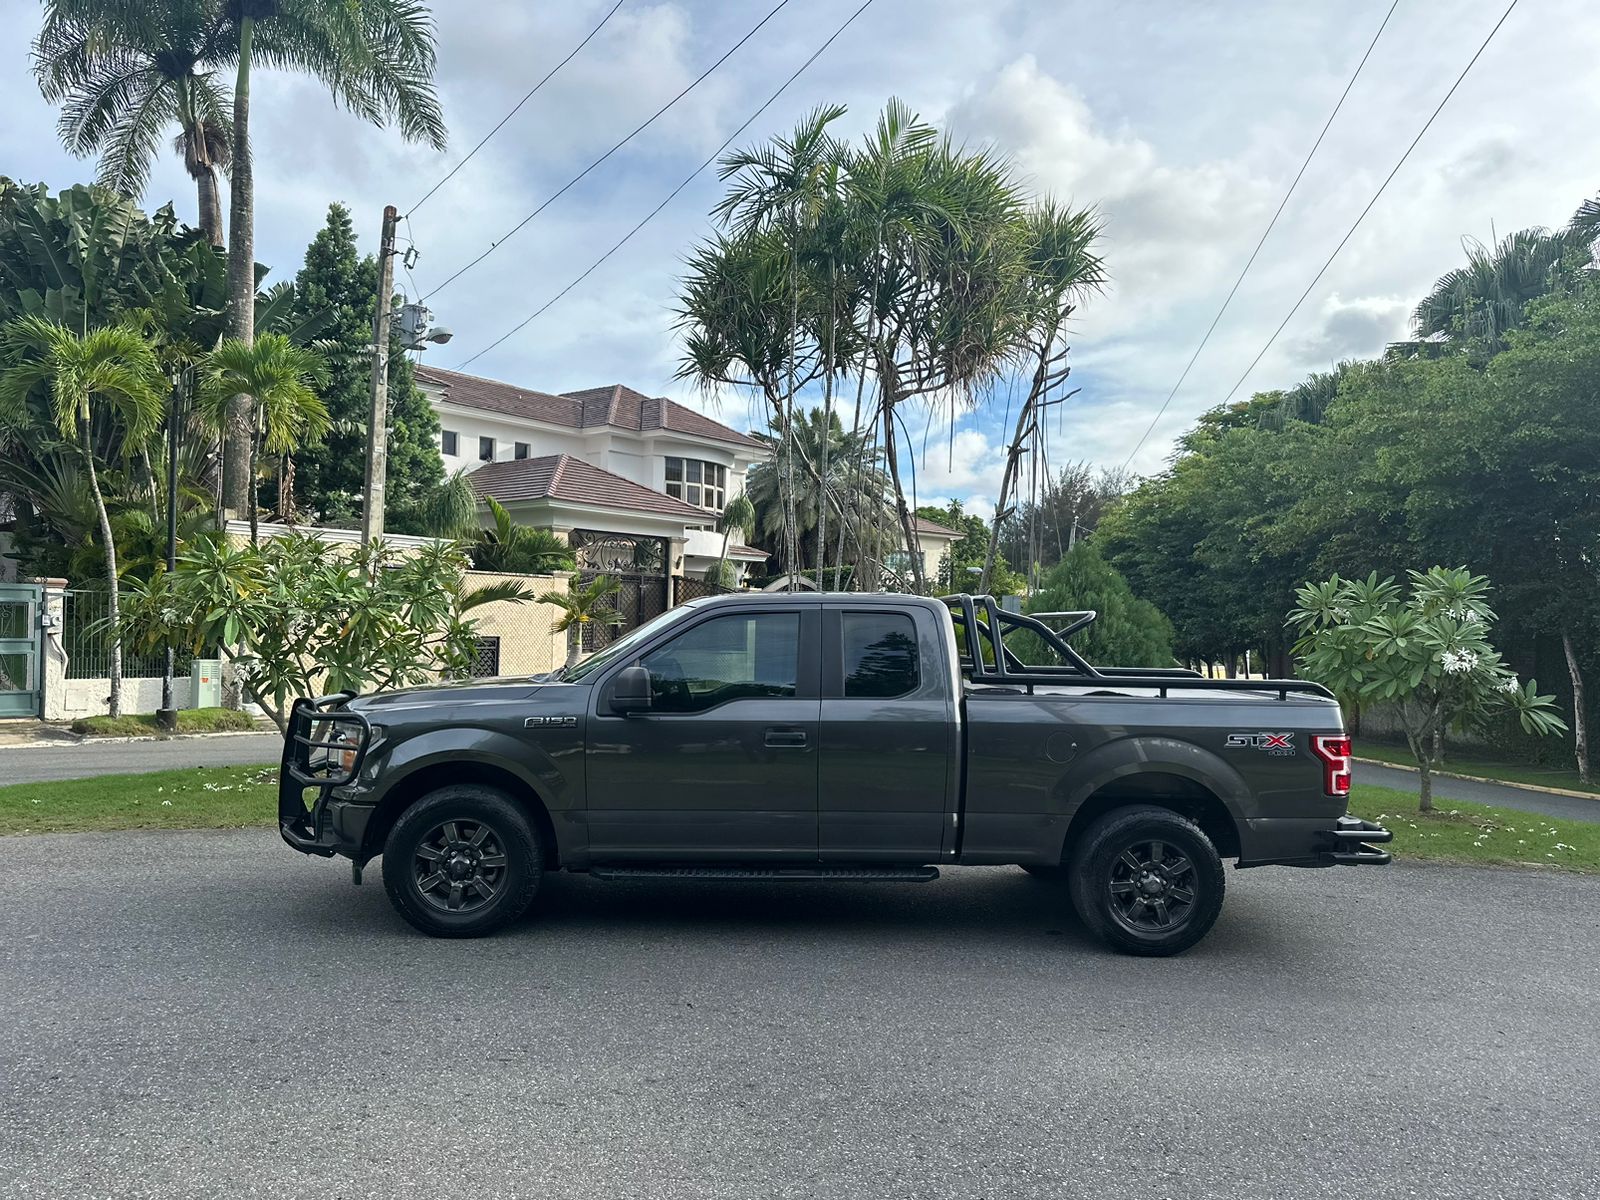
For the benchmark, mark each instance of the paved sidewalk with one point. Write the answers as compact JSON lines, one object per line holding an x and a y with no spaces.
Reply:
{"x":1503,"y":795}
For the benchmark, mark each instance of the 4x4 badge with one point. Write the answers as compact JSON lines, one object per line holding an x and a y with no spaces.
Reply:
{"x":1277,"y":744}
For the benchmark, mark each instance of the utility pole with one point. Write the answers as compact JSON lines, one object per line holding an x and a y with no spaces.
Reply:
{"x":1072,"y":538}
{"x":378,"y":417}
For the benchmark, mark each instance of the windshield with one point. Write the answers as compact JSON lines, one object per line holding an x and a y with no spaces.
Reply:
{"x":624,"y":646}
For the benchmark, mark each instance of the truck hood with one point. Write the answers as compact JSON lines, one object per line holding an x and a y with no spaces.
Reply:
{"x":468,"y":691}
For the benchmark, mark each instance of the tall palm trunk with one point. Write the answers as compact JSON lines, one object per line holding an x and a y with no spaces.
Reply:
{"x":1580,"y":714}
{"x":210,"y":199}
{"x":907,"y":529}
{"x":236,"y":449}
{"x":114,"y":702}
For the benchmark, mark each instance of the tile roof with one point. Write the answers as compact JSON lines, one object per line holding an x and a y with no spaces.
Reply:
{"x":923,"y":525}
{"x":616,"y":406}
{"x":563,"y":477}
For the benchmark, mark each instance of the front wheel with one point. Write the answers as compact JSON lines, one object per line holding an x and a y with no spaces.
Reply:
{"x":462,"y":862}
{"x":1146,"y":881}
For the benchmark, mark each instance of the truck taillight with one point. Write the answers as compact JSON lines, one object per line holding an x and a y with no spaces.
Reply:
{"x":1334,"y":754}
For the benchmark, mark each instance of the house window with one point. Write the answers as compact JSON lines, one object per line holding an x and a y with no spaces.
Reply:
{"x":520,"y":450}
{"x":702,"y":484}
{"x":448,"y":443}
{"x":485,"y":449}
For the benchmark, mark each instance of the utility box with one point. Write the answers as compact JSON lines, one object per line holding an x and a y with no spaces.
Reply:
{"x":205,"y":683}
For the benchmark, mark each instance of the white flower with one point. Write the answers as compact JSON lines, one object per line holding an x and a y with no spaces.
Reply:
{"x":1510,"y":686}
{"x":1458,"y":662}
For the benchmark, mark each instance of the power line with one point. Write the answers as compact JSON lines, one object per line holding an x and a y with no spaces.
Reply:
{"x":517,"y":107}
{"x":517,"y":228}
{"x":1265,"y":233}
{"x":1373,"y":201}
{"x":672,"y":195}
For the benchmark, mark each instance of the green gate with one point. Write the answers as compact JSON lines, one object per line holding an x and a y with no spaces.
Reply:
{"x":19,"y":649}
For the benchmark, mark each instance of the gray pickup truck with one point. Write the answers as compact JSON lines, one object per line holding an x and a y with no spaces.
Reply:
{"x":814,"y":737}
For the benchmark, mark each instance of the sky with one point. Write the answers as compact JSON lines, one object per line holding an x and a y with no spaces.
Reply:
{"x":1182,"y":123}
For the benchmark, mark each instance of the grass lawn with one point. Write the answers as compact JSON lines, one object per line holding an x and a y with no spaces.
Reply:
{"x":1462,"y":763}
{"x":190,"y":720}
{"x":1475,"y":833}
{"x":194,"y":798}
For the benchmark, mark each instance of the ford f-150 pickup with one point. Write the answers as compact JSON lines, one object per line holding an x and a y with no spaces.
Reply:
{"x":830,"y":737}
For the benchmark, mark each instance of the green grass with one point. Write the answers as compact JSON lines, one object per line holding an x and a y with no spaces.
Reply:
{"x":1476,"y":833}
{"x":1461,"y":763}
{"x":190,"y":720}
{"x":194,"y":798}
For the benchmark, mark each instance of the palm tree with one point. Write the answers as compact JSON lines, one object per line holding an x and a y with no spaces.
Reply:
{"x":581,"y":609}
{"x":738,"y":514}
{"x":124,"y":73}
{"x":377,"y":58}
{"x":113,"y":368}
{"x":518,"y":549}
{"x":1060,"y":267}
{"x":285,"y":412}
{"x":1478,"y":304}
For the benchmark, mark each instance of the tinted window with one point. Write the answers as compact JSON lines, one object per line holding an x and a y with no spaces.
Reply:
{"x":521,"y":450}
{"x":448,"y":438}
{"x":728,"y":658}
{"x":880,"y":654}
{"x":486,"y":449}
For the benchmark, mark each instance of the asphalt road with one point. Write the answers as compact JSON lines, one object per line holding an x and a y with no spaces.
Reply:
{"x":1573,"y":808}
{"x":209,"y":1014}
{"x":81,"y":760}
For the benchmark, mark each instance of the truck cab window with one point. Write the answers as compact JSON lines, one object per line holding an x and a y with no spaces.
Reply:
{"x":737,"y":657}
{"x":880,"y":654}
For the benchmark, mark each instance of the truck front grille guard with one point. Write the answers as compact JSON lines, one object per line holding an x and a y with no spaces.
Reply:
{"x":317,"y":725}
{"x":990,"y":628}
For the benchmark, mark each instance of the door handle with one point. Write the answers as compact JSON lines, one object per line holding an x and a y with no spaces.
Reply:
{"x":782,"y":738}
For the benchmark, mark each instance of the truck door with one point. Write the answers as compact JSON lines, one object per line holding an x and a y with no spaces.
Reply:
{"x":724,"y":763}
{"x":889,"y":737}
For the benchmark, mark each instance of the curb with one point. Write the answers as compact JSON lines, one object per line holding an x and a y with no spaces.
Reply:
{"x":1520,"y":787}
{"x":80,"y":739}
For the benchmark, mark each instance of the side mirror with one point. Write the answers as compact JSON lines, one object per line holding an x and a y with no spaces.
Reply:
{"x":631,"y":692}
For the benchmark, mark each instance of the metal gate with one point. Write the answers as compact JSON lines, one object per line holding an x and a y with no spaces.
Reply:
{"x":637,"y":563}
{"x":19,"y":649}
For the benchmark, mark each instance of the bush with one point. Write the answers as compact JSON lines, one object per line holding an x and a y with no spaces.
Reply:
{"x":190,"y":720}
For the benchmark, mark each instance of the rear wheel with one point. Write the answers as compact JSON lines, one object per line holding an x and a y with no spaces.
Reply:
{"x":1146,"y":881}
{"x":462,"y":862}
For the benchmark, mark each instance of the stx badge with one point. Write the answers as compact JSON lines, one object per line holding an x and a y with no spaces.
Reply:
{"x":1279,"y":745}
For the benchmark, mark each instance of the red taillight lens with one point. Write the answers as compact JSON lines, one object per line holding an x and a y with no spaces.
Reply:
{"x":1334,"y":754}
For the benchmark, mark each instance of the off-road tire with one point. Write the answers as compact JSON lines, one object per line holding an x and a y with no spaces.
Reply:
{"x":1121,"y":891}
{"x":508,"y":861}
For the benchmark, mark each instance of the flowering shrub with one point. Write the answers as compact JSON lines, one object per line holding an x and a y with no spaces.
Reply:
{"x":1428,"y":653}
{"x":299,"y":616}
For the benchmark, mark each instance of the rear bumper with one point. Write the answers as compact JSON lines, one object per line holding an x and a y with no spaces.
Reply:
{"x":1313,"y":842}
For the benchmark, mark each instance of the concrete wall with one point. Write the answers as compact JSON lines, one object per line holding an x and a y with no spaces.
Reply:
{"x":527,"y":645}
{"x":88,"y":697}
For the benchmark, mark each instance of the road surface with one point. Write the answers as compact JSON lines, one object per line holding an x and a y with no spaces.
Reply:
{"x":210,"y":1014}
{"x":1573,"y":808}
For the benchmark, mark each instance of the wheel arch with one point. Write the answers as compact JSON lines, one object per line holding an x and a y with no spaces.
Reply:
{"x":432,"y":775}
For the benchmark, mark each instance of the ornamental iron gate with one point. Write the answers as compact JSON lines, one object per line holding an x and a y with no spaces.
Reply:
{"x":637,"y":563}
{"x":20,"y":605}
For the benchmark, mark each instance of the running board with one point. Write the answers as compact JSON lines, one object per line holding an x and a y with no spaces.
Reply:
{"x":774,"y":874}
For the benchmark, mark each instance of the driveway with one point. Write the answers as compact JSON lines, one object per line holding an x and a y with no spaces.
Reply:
{"x":81,"y":760}
{"x":212,"y":1015}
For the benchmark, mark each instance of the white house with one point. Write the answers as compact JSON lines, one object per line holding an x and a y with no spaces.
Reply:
{"x":611,"y":467}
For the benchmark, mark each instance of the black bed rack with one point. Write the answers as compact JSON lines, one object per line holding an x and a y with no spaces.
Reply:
{"x":982,"y":620}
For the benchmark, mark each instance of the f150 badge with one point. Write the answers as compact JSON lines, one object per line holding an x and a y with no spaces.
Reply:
{"x":1278,"y":745}
{"x":549,"y":722}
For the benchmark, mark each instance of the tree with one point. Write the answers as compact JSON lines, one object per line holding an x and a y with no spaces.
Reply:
{"x":124,"y":74}
{"x":1428,"y":653}
{"x":376,"y":57}
{"x":114,"y":369}
{"x":339,"y":286}
{"x":1059,"y":267}
{"x":285,"y":412}
{"x":581,"y":608}
{"x":738,"y":514}
{"x":298,"y":616}
{"x":1127,"y":632}
{"x":518,"y":549}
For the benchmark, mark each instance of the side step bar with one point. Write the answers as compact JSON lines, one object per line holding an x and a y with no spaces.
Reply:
{"x":786,"y":874}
